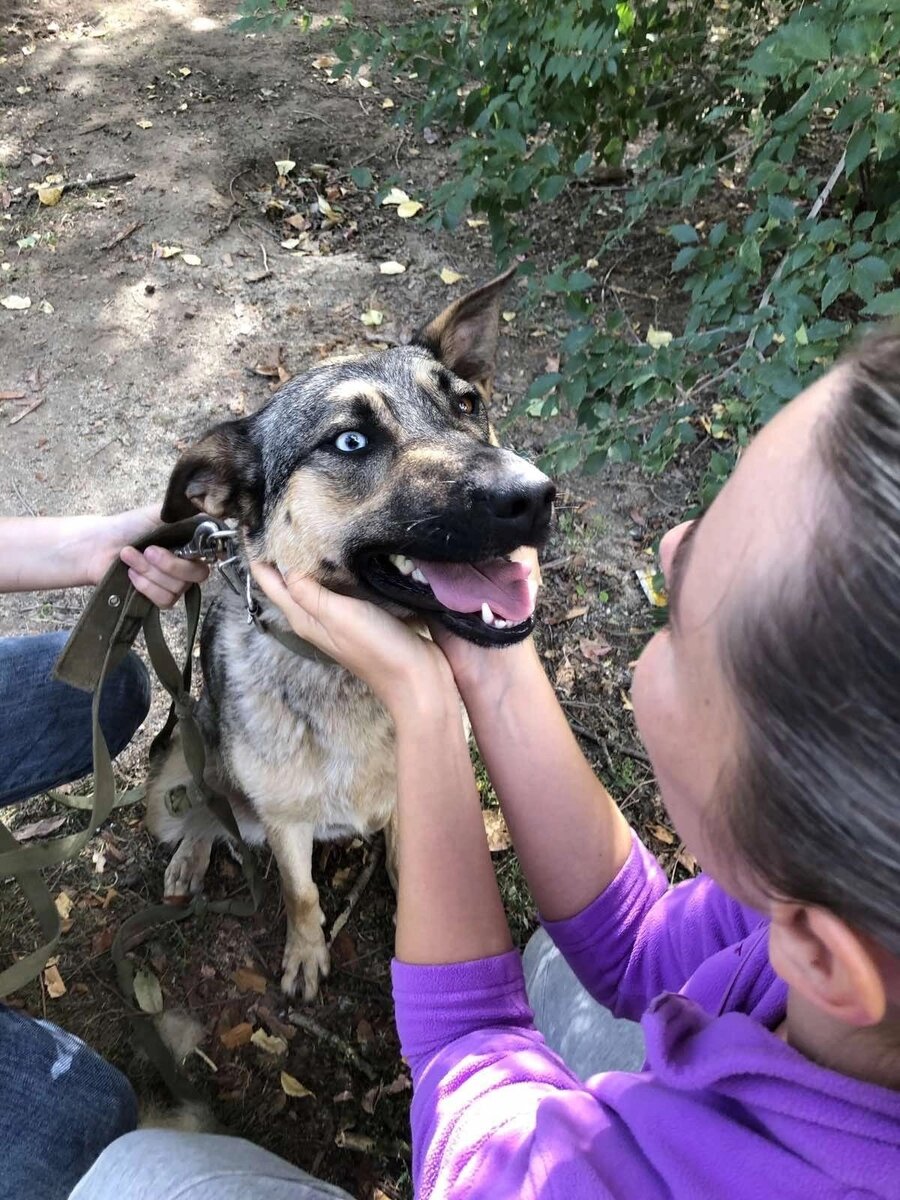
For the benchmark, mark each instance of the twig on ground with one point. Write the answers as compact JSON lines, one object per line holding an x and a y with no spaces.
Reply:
{"x":26,"y":411}
{"x":120,"y":237}
{"x":22,"y":500}
{"x":327,"y":1038}
{"x":362,"y":882}
{"x":75,"y":185}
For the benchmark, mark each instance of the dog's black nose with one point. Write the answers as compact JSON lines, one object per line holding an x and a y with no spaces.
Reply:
{"x":521,"y":507}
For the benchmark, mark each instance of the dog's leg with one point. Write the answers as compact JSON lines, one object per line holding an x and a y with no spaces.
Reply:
{"x":195,"y":830}
{"x":305,"y":948}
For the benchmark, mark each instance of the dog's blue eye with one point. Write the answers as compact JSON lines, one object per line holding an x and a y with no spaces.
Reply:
{"x":351,"y":441}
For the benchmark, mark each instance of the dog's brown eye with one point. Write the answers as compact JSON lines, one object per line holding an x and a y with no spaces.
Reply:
{"x":467,"y":404}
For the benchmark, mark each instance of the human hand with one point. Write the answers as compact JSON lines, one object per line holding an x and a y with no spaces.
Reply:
{"x":403,"y":669}
{"x":155,"y":572}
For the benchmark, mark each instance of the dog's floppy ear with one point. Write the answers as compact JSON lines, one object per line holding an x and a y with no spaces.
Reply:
{"x":220,"y":475}
{"x":464,"y":336}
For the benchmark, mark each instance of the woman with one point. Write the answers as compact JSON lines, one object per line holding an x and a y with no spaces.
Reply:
{"x":769,"y":987}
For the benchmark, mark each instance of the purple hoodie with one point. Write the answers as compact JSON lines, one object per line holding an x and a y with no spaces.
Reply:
{"x":723,"y":1109}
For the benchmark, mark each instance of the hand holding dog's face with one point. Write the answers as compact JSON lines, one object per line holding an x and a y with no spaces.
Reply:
{"x":403,"y":669}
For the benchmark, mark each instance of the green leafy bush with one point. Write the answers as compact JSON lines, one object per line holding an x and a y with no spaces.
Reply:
{"x":795,"y":108}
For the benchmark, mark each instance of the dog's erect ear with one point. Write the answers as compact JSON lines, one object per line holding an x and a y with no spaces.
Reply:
{"x":464,"y":336}
{"x":221,"y":475}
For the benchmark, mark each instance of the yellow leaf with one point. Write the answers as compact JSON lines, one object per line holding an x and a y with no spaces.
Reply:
{"x":509,"y":315}
{"x":409,"y":208}
{"x":270,"y":1044}
{"x":185,"y":71}
{"x":53,"y":981}
{"x":626,"y":701}
{"x":658,"y":337}
{"x":46,"y":307}
{"x":332,"y":215}
{"x":372,"y":316}
{"x":448,"y":276}
{"x":388,"y":103}
{"x":498,"y":838}
{"x":293,"y":1087}
{"x":192,"y":260}
{"x":284,"y":166}
{"x":16,"y":301}
{"x":63,"y":904}
{"x":147,"y":992}
{"x":646,"y":579}
{"x":324,"y":61}
{"x":592,"y":263}
{"x":290,"y":243}
{"x":391,"y":268}
{"x":23,"y":90}
{"x":144,"y":124}
{"x":662,"y":834}
{"x":395,"y":196}
{"x":160,"y":251}
{"x":363,"y":82}
{"x":475,"y":222}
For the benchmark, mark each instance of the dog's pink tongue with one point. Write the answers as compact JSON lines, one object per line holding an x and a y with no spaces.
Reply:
{"x":464,"y":587}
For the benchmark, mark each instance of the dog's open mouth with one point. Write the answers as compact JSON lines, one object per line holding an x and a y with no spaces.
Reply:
{"x":490,"y":602}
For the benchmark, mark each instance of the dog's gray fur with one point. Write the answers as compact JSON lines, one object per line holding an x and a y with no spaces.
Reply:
{"x":303,"y":750}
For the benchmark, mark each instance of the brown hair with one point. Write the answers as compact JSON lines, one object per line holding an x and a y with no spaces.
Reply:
{"x":815,"y":806}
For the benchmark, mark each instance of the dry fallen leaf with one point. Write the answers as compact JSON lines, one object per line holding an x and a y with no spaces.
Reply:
{"x":594,"y":649}
{"x":409,"y":208}
{"x":64,"y":905}
{"x":39,"y":828}
{"x":396,"y":196}
{"x":401,"y":1084}
{"x":192,"y":260}
{"x":647,"y":581}
{"x":144,"y":124}
{"x":687,"y":860}
{"x":293,"y":1087}
{"x":448,"y":276}
{"x":53,"y":981}
{"x":14,"y":301}
{"x":290,"y":243}
{"x":46,"y":307}
{"x":372,"y":316}
{"x":626,"y":700}
{"x":284,"y":166}
{"x":23,"y":89}
{"x":658,"y":337}
{"x":50,"y":195}
{"x":497,"y":832}
{"x":147,"y":991}
{"x":364,"y":1032}
{"x":363,"y":81}
{"x":238,"y":1035}
{"x":476,"y":222}
{"x":391,"y":268}
{"x":387,"y":103}
{"x":324,"y":61}
{"x":509,"y":315}
{"x":269,"y":1043}
{"x":370,"y":1099}
{"x":570,"y":615}
{"x":249,"y":981}
{"x":185,"y":71}
{"x":662,"y":834}
{"x":161,"y":251}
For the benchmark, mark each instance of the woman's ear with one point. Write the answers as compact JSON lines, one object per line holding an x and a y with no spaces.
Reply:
{"x":818,"y":955}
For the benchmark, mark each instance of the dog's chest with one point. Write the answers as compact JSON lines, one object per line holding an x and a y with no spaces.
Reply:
{"x":303,"y":740}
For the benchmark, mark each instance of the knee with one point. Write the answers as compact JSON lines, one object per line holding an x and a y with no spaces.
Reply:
{"x":125,"y":702}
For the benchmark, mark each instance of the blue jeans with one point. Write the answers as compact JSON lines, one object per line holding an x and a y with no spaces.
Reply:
{"x":60,"y":1103}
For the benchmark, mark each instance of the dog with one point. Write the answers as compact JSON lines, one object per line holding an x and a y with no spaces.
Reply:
{"x":380,"y":476}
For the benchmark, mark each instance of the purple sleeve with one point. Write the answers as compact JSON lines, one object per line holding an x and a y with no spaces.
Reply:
{"x":495,"y":1112}
{"x":641,"y":937}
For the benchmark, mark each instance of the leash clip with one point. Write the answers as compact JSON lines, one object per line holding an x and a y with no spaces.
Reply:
{"x":208,"y":544}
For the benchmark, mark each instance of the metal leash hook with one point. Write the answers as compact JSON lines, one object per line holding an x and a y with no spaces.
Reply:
{"x":208,"y":544}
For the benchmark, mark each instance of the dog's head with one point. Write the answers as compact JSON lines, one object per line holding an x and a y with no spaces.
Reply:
{"x":381,"y":475}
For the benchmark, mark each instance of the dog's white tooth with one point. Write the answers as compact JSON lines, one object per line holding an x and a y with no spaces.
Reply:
{"x":486,"y":615}
{"x":403,"y":564}
{"x":417,"y":575}
{"x":500,"y":623}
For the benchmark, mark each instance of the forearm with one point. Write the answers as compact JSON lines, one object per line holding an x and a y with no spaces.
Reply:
{"x":448,"y":906}
{"x":568,"y":833}
{"x":37,"y":553}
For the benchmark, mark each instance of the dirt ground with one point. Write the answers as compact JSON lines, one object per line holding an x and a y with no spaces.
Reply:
{"x":127,"y":352}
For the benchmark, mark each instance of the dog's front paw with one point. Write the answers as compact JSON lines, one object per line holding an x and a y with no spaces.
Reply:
{"x":187,"y":869}
{"x":306,"y":952}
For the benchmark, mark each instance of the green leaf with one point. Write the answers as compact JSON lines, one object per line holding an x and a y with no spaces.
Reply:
{"x":551,"y":188}
{"x":580,"y":281}
{"x":544,"y":384}
{"x":684,"y":257}
{"x":836,"y":286}
{"x":857,"y":149}
{"x":583,"y":162}
{"x":683,"y":234}
{"x":885,"y":305}
{"x":362,"y":176}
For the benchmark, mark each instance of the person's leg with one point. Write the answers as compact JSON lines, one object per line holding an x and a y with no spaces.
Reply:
{"x":158,"y":1164}
{"x":60,"y":1106}
{"x":45,"y":725}
{"x":586,"y":1036}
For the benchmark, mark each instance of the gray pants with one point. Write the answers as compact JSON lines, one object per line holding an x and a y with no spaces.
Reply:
{"x":156,"y":1164}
